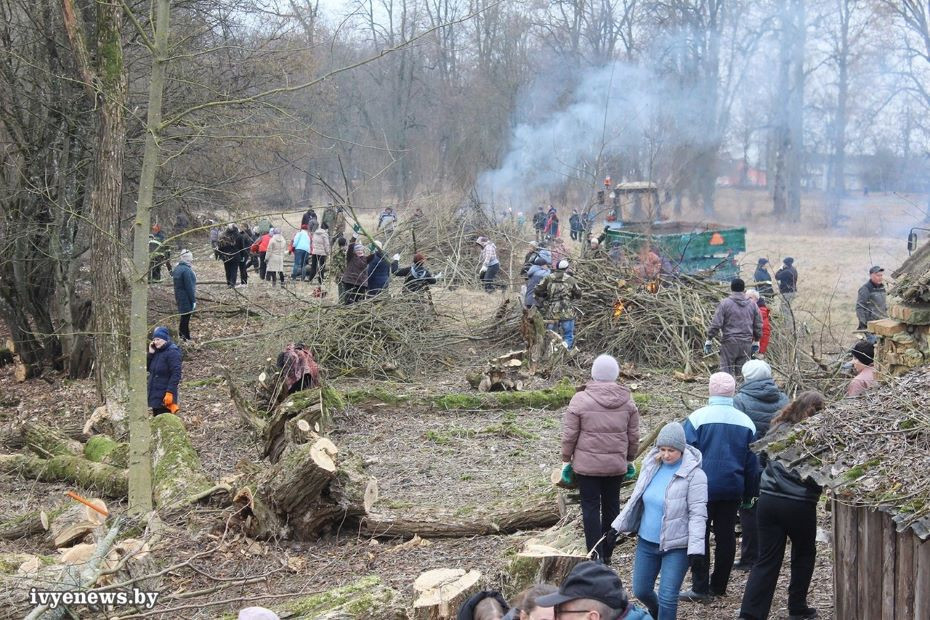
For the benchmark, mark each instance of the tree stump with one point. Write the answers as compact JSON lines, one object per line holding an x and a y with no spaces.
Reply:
{"x":440,"y":592}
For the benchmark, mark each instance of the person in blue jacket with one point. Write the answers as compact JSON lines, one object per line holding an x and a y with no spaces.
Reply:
{"x":185,"y":292}
{"x":723,"y":434}
{"x":379,"y":270}
{"x":164,"y":366}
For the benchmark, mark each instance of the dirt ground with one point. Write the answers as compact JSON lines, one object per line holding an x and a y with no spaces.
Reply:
{"x":422,"y":457}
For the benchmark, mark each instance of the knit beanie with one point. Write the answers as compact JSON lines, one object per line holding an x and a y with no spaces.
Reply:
{"x":756,"y":370}
{"x":186,"y":257}
{"x":161,"y":332}
{"x":672,"y":435}
{"x":605,"y":368}
{"x":722,"y":384}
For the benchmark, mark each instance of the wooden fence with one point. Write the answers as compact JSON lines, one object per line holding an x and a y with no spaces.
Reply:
{"x":878,"y":573}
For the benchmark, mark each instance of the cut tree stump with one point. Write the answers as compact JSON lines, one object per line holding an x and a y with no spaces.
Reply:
{"x":440,"y":592}
{"x":280,"y":430}
{"x":29,"y":523}
{"x":533,"y":515}
{"x":46,"y":441}
{"x":299,"y":477}
{"x":107,"y":480}
{"x":177,"y":473}
{"x":550,"y":556}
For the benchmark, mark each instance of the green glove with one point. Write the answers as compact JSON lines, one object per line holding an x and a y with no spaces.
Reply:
{"x":357,"y":229}
{"x":568,"y":474}
{"x":630,"y":472}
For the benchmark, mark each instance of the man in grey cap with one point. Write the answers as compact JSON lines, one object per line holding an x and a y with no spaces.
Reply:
{"x":872,"y":304}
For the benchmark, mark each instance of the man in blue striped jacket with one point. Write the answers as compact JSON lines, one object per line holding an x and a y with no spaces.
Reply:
{"x":723,"y":434}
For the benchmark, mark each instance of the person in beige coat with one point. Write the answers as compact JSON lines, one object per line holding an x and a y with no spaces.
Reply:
{"x":600,"y":439}
{"x":319,"y":250}
{"x":274,"y":256}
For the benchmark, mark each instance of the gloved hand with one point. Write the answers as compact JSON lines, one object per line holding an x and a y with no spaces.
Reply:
{"x":610,"y":537}
{"x":194,"y":306}
{"x":748,"y":504}
{"x":708,"y":347}
{"x":755,"y":348}
{"x":168,"y":402}
{"x":438,"y":276}
{"x":482,"y":271}
{"x":356,"y":229}
{"x":396,"y":257}
{"x":372,"y":247}
{"x":695,"y":561}
{"x":568,"y":474}
{"x":630,"y":471}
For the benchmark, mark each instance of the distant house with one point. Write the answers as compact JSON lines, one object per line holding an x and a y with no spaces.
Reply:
{"x":738,"y":173}
{"x":871,"y":453}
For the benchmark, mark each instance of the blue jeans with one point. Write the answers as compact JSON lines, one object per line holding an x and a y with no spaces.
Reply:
{"x":300,"y":259}
{"x":651,"y":563}
{"x":566,"y":329}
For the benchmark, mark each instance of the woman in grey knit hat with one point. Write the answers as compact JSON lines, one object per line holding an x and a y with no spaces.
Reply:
{"x":668,"y":511}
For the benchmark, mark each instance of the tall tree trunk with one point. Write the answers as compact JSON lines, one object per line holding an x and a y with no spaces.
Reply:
{"x":140,"y":433}
{"x":111,"y":321}
{"x":796,"y":110}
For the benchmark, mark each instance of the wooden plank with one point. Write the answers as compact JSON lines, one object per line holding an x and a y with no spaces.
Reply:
{"x":847,"y":570}
{"x":868,"y":560}
{"x":889,"y":551}
{"x":904,"y":589}
{"x":922,"y":585}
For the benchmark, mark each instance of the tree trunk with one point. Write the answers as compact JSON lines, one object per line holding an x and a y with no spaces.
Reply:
{"x":107,"y":480}
{"x":46,"y":441}
{"x":177,"y":471}
{"x":440,"y":592}
{"x":140,"y":437}
{"x":103,"y":449}
{"x":528,"y":515}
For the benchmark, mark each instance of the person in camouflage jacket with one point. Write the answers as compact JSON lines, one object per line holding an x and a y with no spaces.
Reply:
{"x":555,"y":295}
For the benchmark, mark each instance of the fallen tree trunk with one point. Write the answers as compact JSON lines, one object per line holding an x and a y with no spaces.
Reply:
{"x":29,"y":523}
{"x":46,"y":441}
{"x":533,"y":515}
{"x":297,"y":480}
{"x":177,"y":473}
{"x":105,"y":479}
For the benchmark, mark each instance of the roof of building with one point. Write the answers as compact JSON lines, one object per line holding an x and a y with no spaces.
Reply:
{"x":873,"y":450}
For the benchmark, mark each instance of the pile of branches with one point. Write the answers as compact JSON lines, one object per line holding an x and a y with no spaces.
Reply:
{"x":873,"y":450}
{"x":655,"y":323}
{"x":384,"y":337}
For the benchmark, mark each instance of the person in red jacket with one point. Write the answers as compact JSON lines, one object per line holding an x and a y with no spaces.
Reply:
{"x":260,"y":248}
{"x":766,"y":324}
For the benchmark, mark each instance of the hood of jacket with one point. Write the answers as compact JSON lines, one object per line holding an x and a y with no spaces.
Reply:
{"x":741,"y":299}
{"x":607,"y":394}
{"x":763,"y":390}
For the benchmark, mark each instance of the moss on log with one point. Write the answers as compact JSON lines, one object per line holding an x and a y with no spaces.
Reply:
{"x":103,"y":449}
{"x":555,"y":397}
{"x":29,"y":523}
{"x":368,"y":598}
{"x":177,"y":472}
{"x":107,"y":480}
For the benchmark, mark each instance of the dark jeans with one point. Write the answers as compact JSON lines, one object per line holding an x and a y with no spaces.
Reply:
{"x":231,"y":267}
{"x":649,"y":564}
{"x":300,"y":259}
{"x":273,"y":276}
{"x":779,"y":519}
{"x":749,"y":541}
{"x":489,"y":275}
{"x":244,"y":270}
{"x":600,"y":505}
{"x":721,"y":520}
{"x":262,"y":265}
{"x":317,"y":267}
{"x":184,"y":329}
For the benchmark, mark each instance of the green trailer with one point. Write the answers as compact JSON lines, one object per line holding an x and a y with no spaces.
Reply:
{"x":692,"y":247}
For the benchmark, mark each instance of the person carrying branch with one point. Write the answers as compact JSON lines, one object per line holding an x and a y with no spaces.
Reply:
{"x":164,"y":365}
{"x":555,"y":295}
{"x":738,"y":325}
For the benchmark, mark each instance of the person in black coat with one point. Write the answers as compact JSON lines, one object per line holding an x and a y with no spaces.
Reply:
{"x":245,"y":253}
{"x":229,"y":247}
{"x":379,"y":270}
{"x":164,"y":366}
{"x":185,"y":292}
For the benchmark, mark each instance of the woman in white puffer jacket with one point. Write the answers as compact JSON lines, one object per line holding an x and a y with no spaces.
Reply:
{"x":668,"y":511}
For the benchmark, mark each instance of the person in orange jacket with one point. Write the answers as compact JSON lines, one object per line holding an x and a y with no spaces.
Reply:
{"x":766,"y":324}
{"x":164,"y":366}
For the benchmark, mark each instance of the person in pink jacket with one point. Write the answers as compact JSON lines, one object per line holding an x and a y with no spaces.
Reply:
{"x":600,"y":439}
